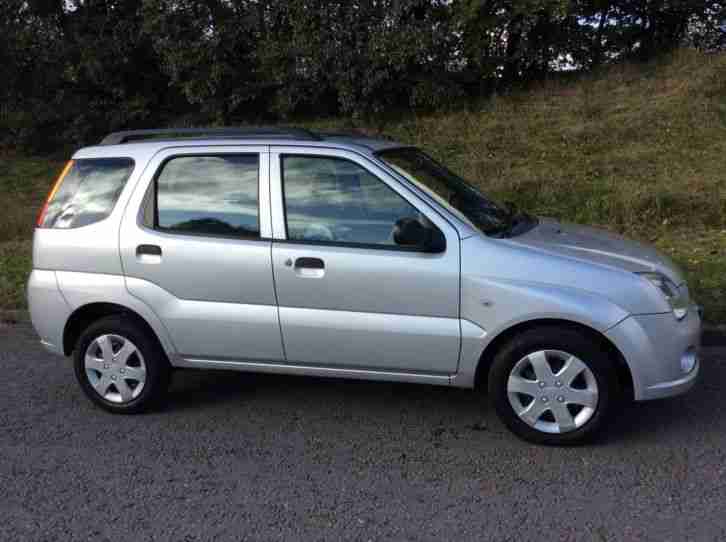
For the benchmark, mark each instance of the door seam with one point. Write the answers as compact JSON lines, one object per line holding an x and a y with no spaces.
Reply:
{"x":272,"y":259}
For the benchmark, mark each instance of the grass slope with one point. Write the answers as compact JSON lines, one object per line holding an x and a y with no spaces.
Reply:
{"x":639,"y":149}
{"x":24,"y":183}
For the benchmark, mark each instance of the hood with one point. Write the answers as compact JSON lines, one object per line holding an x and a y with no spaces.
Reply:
{"x":597,"y":246}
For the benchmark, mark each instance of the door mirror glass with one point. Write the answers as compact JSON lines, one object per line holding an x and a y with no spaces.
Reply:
{"x":410,"y":232}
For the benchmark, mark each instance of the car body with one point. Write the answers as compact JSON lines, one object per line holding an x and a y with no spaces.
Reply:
{"x":338,"y":297}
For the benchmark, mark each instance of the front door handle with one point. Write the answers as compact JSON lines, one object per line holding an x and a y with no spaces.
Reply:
{"x":148,"y":253}
{"x":151,"y":250}
{"x":310,"y":267}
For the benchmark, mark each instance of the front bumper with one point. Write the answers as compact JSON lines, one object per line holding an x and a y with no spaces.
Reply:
{"x":653,"y":346}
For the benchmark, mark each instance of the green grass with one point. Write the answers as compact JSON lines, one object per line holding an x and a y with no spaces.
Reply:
{"x":639,"y":149}
{"x":633,"y":147}
{"x":24,"y":183}
{"x":15,"y":266}
{"x":702,"y":254}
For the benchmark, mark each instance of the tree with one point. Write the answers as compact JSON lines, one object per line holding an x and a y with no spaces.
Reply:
{"x":74,"y":69}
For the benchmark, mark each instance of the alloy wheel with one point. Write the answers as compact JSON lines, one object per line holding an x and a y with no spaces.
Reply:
{"x":115,"y":368}
{"x":552,"y":391}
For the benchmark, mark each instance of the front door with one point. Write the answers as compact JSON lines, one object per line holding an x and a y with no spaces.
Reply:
{"x":198,"y":252}
{"x":348,"y":295}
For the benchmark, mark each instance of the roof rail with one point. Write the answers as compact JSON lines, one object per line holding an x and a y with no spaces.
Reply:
{"x":353,"y":132}
{"x":117,"y":138}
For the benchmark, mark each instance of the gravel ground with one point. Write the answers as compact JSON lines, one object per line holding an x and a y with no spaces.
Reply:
{"x":251,"y":457}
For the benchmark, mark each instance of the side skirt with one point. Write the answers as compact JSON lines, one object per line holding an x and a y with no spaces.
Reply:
{"x":312,"y":370}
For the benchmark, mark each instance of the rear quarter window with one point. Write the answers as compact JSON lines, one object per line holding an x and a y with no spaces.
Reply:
{"x":87,"y":193}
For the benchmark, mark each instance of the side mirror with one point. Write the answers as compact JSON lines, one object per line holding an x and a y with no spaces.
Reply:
{"x":409,"y":232}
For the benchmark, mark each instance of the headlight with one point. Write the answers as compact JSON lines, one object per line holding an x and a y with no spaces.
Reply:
{"x":677,"y":299}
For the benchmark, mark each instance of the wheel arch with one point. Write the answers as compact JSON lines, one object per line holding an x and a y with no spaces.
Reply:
{"x":625,"y":378}
{"x":84,"y":316}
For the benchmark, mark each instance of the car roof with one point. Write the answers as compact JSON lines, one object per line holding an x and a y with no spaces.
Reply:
{"x":145,"y":142}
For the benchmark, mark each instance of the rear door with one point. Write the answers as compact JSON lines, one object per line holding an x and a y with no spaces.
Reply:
{"x":198,"y":251}
{"x":350,"y":297}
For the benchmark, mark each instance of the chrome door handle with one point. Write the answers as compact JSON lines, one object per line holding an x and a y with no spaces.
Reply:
{"x":313,"y":268}
{"x":148,"y":254}
{"x":151,"y":250}
{"x":309,"y":263}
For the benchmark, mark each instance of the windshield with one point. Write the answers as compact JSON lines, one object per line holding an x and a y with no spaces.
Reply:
{"x":441,"y":183}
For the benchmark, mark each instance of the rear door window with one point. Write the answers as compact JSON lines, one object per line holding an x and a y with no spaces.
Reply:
{"x":209,"y":195}
{"x":87,"y":192}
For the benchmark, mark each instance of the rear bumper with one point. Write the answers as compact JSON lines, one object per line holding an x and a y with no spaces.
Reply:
{"x":654,"y":346}
{"x":52,"y":348}
{"x":49,"y":311}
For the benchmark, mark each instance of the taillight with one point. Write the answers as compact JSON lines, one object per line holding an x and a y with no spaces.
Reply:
{"x":56,"y":186}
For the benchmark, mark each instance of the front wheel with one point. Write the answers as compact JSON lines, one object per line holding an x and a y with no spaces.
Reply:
{"x":553,"y":385}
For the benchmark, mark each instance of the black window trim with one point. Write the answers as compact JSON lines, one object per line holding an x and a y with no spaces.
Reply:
{"x":369,"y":246}
{"x":170,"y":231}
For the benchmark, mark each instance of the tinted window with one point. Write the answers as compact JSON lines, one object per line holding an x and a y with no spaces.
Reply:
{"x":210,"y":195}
{"x":330,"y":199}
{"x":88,"y":192}
{"x":465,"y":199}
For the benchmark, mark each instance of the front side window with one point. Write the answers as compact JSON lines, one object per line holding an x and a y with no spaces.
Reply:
{"x":86,"y":192}
{"x":335,"y":200}
{"x":209,"y":195}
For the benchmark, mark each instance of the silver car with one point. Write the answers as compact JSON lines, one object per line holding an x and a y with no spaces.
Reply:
{"x":288,"y":251}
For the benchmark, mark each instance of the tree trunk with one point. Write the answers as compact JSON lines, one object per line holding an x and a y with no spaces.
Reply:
{"x":512,"y":55}
{"x":599,"y":52}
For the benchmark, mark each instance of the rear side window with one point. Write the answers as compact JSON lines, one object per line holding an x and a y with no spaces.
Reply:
{"x":86,"y":192}
{"x":209,"y":195}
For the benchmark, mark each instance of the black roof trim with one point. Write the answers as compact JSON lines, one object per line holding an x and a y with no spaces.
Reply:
{"x":117,"y":138}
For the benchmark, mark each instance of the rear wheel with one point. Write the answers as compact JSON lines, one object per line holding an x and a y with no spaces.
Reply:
{"x":553,"y":385}
{"x":120,"y":366}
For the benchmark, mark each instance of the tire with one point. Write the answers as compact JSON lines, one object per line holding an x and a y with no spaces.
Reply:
{"x":120,"y":356}
{"x":587,"y":390}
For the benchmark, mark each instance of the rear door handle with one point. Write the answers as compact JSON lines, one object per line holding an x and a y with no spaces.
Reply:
{"x":313,"y":268}
{"x":150,"y":250}
{"x":309,"y":263}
